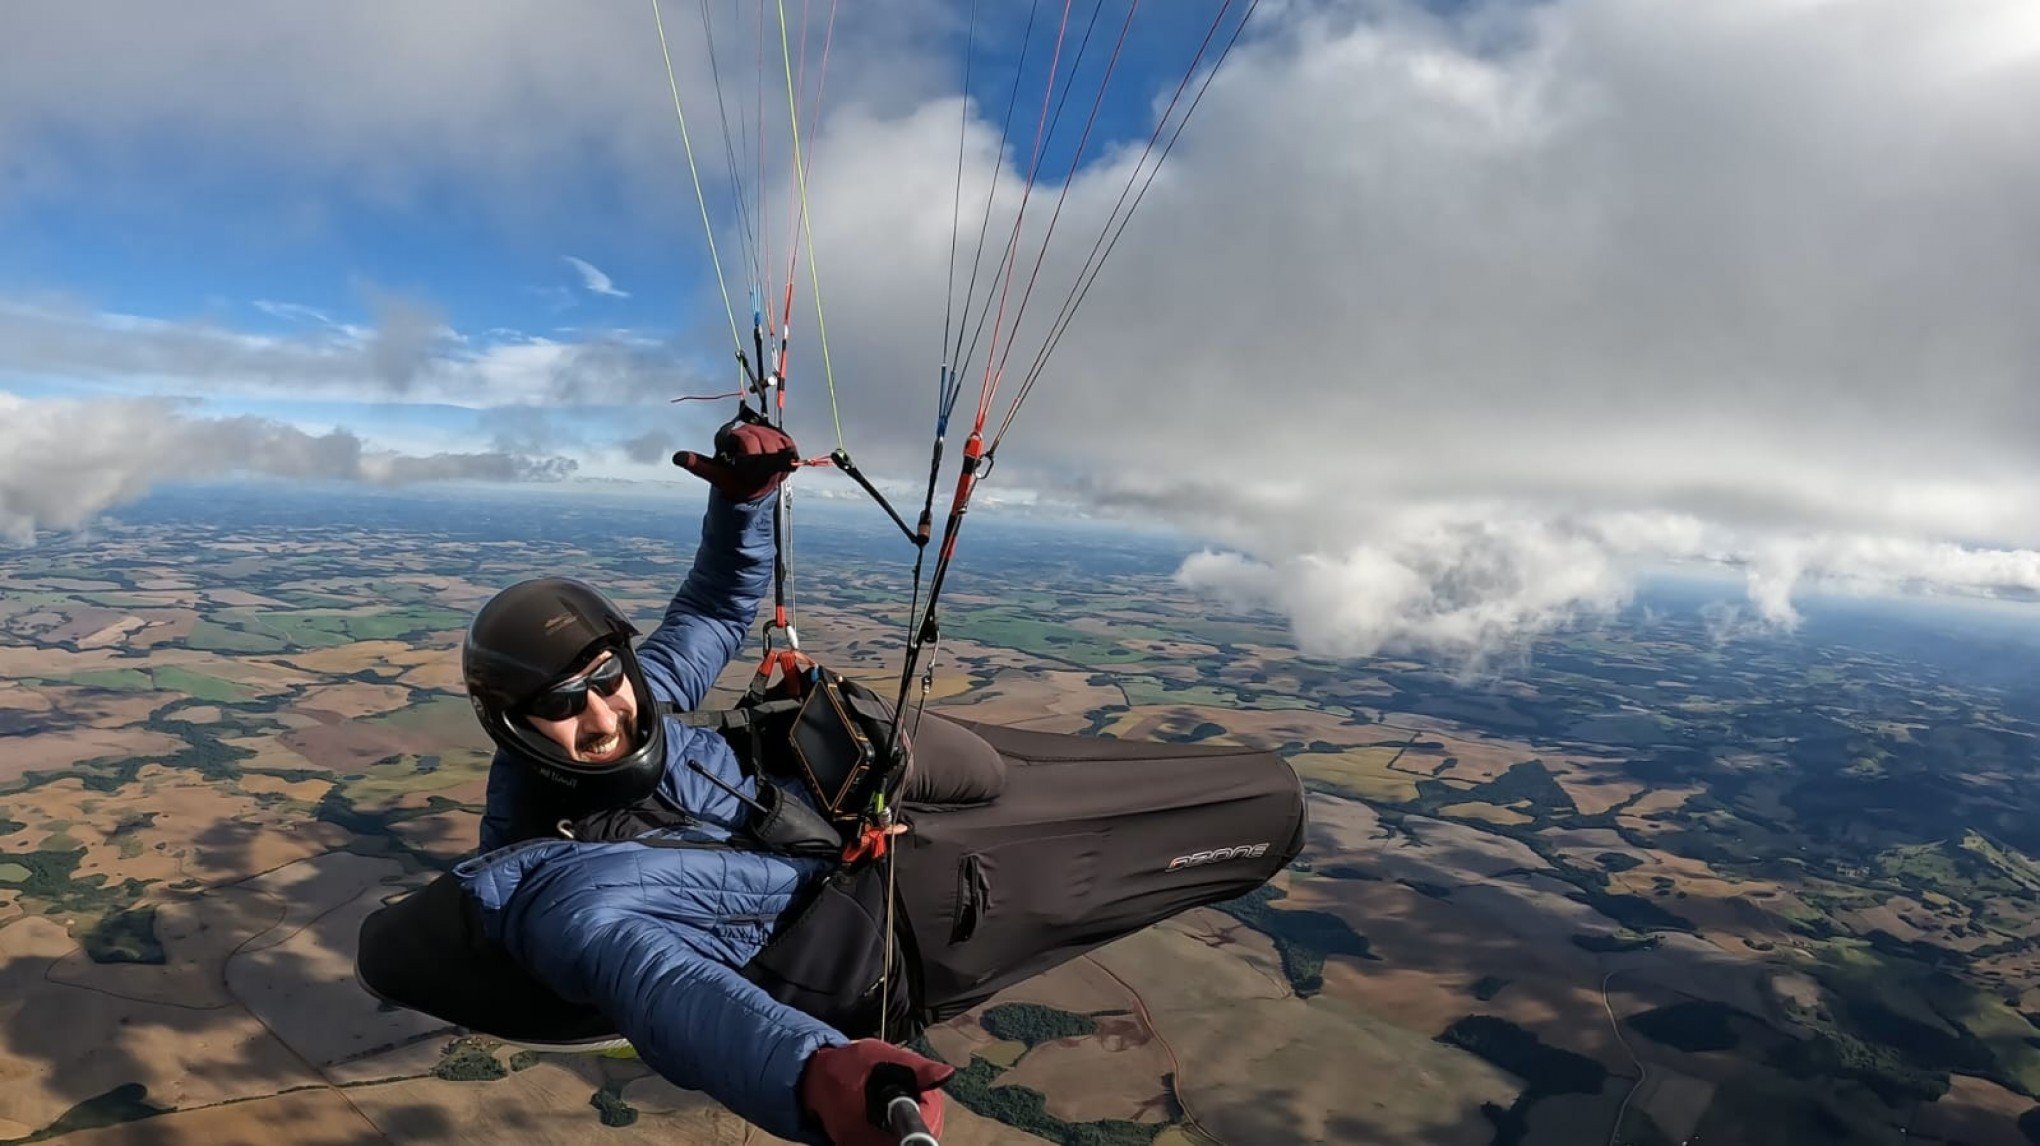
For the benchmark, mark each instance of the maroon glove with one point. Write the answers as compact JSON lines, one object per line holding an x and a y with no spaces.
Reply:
{"x":836,"y":1088}
{"x":751,"y":459}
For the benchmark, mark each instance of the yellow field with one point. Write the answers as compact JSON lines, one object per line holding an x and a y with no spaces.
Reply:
{"x":1004,"y":1052}
{"x":1484,"y":812}
{"x":1361,"y":771}
{"x":1250,"y":1061}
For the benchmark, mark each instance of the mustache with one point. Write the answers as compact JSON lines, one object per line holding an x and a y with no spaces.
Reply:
{"x":587,"y":741}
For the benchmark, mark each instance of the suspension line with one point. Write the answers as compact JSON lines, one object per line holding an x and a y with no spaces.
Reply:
{"x":680,"y":112}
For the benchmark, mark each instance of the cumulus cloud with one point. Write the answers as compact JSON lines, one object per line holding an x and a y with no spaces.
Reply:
{"x":62,"y":463}
{"x":593,"y":280}
{"x":1462,"y":588}
{"x":522,"y":105}
{"x":1462,"y":321}
{"x":1471,"y":580}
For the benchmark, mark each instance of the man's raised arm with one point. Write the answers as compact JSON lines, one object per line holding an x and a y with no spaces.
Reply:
{"x":708,"y":619}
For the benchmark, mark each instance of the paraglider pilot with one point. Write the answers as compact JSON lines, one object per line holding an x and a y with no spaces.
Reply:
{"x":651,"y":929}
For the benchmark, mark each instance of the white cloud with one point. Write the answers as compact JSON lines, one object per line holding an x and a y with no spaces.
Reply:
{"x":1447,"y":325}
{"x":62,"y":463}
{"x":408,"y":355}
{"x":593,"y":280}
{"x":1460,"y":322}
{"x":520,"y":105}
{"x":293,"y":312}
{"x":1469,"y":580}
{"x":1456,"y":584}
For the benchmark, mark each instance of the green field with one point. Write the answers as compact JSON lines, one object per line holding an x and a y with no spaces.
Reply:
{"x":1043,"y":638}
{"x":212,"y":636}
{"x":199,"y":686}
{"x":121,"y":680}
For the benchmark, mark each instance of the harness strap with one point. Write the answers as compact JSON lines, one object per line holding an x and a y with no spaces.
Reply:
{"x":727,"y":719}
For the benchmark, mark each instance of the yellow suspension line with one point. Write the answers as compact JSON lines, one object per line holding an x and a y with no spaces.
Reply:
{"x":806,"y":224}
{"x":708,"y":228}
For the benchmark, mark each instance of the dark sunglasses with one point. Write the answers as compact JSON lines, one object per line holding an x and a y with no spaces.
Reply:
{"x":566,"y":699}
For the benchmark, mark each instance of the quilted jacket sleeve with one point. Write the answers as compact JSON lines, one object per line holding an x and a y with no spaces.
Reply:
{"x":652,"y":944}
{"x":512,"y":811}
{"x":708,"y":619}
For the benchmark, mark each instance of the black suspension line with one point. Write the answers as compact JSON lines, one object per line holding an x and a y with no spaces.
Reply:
{"x":1094,"y":266}
{"x":992,"y":190}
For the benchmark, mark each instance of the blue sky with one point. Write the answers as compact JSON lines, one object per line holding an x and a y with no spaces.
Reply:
{"x":193,"y":219}
{"x":186,"y":220}
{"x":177,"y":222}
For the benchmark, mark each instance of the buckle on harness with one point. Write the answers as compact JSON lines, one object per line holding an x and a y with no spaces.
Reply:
{"x":795,"y":668}
{"x":873,"y":842}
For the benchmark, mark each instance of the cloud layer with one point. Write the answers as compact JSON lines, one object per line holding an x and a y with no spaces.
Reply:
{"x":1445,"y":326}
{"x":63,"y":463}
{"x":1422,"y":305}
{"x":409,"y":354}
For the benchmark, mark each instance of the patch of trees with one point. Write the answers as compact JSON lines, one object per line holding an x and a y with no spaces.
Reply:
{"x":132,"y":822}
{"x":1102,"y":717}
{"x":1544,"y":1069}
{"x":1302,"y":938}
{"x":1034,"y":1024}
{"x":1665,"y":765}
{"x":1615,"y":944}
{"x":1633,"y":911}
{"x":124,"y":937}
{"x":1488,"y":986}
{"x":1024,"y":1108}
{"x":610,"y":1106}
{"x":1528,"y":781}
{"x":1929,"y":953}
{"x":1922,"y":1045}
{"x":207,"y":756}
{"x":1617,"y":861}
{"x":1689,"y":1026}
{"x":335,"y":808}
{"x":49,"y":872}
{"x":1840,"y":1055}
{"x":469,"y":1060}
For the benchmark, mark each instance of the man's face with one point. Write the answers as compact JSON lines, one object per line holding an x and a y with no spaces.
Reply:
{"x":605,"y":728}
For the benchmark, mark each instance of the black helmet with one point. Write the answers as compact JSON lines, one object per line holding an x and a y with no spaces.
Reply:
{"x":530,"y":636}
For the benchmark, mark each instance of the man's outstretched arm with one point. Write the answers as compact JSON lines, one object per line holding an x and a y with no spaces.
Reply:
{"x":651,"y":943}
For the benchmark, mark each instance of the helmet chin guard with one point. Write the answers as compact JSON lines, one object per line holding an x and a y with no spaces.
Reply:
{"x":532,"y":635}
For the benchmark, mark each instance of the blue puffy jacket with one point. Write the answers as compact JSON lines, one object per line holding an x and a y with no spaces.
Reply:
{"x":653,"y":936}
